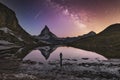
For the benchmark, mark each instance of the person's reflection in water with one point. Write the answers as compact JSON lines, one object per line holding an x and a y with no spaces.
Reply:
{"x":61,"y":55}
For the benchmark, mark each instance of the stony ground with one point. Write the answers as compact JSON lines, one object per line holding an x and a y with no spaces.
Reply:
{"x":72,"y":69}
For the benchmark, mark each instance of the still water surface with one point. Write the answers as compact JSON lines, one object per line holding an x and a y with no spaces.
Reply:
{"x":44,"y":54}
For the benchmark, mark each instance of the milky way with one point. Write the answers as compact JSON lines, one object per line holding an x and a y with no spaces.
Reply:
{"x":65,"y":17}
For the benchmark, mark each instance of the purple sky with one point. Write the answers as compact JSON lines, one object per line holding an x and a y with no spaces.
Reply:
{"x":65,"y":17}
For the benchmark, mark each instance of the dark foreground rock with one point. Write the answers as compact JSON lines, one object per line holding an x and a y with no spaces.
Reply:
{"x":15,"y":69}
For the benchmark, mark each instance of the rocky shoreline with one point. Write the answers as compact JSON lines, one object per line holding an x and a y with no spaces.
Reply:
{"x":14,"y":69}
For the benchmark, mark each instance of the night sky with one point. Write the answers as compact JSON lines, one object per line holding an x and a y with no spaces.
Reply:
{"x":65,"y":17}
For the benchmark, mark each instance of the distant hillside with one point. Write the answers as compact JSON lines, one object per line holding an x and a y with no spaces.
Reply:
{"x":106,"y":42}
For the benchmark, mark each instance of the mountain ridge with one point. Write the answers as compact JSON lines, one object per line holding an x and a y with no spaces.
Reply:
{"x":106,"y":42}
{"x":9,"y":20}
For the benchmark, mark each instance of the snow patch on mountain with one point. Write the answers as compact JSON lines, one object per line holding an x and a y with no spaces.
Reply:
{"x":46,"y":34}
{"x":3,"y":47}
{"x":3,"y":42}
{"x":8,"y":31}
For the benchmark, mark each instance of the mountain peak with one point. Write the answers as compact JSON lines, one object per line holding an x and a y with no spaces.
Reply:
{"x":91,"y":33}
{"x":46,"y":27}
{"x":46,"y":33}
{"x":45,"y":30}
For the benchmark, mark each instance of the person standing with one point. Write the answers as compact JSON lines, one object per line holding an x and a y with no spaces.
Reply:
{"x":61,"y":55}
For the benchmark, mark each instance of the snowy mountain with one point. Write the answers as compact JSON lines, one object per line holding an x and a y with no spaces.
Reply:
{"x":10,"y":30}
{"x":47,"y":37}
{"x":8,"y":35}
{"x":47,"y":50}
{"x":47,"y":34}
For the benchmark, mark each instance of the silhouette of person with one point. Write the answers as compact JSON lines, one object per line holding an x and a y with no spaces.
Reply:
{"x":61,"y":59}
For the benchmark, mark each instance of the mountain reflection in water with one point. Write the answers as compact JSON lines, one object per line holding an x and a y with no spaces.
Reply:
{"x":51,"y":53}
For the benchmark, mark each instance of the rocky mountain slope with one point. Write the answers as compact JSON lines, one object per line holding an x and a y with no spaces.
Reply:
{"x":106,"y":42}
{"x":10,"y":30}
{"x":47,"y":34}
